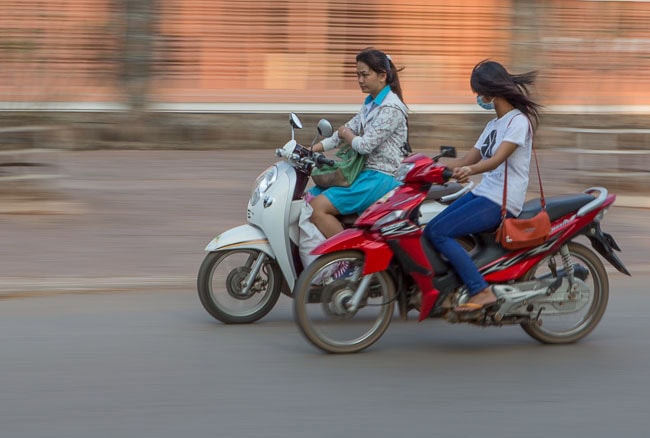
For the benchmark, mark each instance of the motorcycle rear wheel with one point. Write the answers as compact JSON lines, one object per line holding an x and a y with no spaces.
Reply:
{"x":220,"y":286}
{"x":551,"y":332}
{"x":320,"y":305}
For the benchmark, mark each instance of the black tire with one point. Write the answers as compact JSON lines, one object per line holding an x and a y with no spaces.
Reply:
{"x":382,"y":289}
{"x":269,"y":286}
{"x":600,"y":294}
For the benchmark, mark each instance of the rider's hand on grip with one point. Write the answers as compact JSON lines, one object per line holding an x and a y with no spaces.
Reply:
{"x":461,"y":174}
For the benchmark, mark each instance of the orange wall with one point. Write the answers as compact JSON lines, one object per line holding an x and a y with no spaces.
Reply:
{"x":293,"y":51}
{"x":62,"y":50}
{"x":289,"y":51}
{"x":596,"y":52}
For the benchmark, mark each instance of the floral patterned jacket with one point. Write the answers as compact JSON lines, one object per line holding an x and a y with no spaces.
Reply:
{"x":381,"y":132}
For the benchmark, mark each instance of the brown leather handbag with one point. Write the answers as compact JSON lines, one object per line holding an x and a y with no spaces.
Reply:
{"x":516,"y":233}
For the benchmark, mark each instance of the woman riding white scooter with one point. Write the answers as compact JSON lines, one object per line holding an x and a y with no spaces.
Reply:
{"x":379,"y":130}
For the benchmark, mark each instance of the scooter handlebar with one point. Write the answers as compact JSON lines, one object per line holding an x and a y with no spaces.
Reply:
{"x":323,"y":160}
{"x":295,"y":152}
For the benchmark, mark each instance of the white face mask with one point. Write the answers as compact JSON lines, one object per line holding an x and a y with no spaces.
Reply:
{"x":483,"y":104}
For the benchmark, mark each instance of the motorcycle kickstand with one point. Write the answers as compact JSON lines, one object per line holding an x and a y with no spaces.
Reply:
{"x":537,"y":321}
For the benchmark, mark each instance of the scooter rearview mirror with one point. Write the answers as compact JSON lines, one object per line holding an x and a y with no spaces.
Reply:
{"x":295,"y":121}
{"x":325,"y":128}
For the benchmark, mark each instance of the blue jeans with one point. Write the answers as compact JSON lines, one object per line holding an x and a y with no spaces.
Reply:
{"x":468,"y":215}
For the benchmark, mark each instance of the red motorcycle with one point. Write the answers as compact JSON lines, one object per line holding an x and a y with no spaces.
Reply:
{"x":344,"y":301}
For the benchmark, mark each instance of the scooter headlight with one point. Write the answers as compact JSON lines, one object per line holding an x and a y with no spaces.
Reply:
{"x":263,"y":183}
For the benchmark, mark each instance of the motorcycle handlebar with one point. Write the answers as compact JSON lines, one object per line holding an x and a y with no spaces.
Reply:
{"x":447,"y":174}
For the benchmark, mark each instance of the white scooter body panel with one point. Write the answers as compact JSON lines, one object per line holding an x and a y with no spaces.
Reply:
{"x":272,"y":214}
{"x":243,"y":236}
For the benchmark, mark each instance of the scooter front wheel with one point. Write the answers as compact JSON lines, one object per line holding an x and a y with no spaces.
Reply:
{"x":337,"y":309}
{"x":228,"y":290}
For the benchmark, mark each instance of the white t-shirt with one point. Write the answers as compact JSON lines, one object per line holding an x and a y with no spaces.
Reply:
{"x":513,"y":127}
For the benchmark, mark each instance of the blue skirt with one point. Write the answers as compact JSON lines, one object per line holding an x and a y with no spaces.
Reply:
{"x":369,"y":186}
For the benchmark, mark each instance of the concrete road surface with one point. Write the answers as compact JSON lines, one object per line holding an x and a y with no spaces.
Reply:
{"x":154,"y":364}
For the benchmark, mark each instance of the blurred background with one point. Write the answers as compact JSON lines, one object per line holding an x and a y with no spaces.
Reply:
{"x":179,"y":73}
{"x":145,"y":54}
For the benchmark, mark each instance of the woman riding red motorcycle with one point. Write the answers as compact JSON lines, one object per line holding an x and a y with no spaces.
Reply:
{"x":557,"y":291}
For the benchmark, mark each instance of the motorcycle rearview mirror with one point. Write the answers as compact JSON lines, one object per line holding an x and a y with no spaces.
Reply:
{"x":295,"y":123}
{"x":447,"y":152}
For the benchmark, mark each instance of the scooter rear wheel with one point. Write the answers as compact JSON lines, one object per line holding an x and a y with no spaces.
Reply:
{"x":221,"y":286}
{"x":321,"y":304}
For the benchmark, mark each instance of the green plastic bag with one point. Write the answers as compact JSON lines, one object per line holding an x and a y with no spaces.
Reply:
{"x":345,"y":170}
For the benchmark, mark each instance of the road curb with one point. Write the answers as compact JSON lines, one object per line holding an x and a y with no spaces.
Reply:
{"x":40,"y":207}
{"x":17,"y":287}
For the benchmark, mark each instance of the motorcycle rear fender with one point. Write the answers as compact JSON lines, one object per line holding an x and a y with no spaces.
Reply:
{"x":377,"y":254}
{"x":241,"y":237}
{"x":605,"y":244}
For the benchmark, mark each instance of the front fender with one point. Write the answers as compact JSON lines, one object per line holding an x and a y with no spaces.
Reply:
{"x":243,"y":236}
{"x":377,"y":254}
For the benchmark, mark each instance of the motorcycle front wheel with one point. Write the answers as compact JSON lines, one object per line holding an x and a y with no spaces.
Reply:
{"x":565,"y":328}
{"x":322,"y":298}
{"x":222,"y":285}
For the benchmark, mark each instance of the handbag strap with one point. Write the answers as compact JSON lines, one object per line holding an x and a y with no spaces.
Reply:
{"x":504,"y":211}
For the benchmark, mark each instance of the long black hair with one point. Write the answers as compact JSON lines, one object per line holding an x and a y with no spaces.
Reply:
{"x":491,"y":79}
{"x":379,"y":62}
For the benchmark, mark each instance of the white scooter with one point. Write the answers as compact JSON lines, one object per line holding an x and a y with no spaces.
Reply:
{"x":247,"y":267}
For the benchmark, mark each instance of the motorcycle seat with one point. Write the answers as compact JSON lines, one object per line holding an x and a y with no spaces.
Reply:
{"x":556,"y":206}
{"x":438,"y":191}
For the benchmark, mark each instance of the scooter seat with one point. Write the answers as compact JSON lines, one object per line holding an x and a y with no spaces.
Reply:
{"x":556,"y":206}
{"x":438,"y":191}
